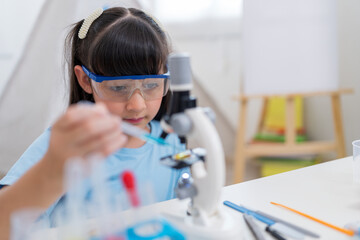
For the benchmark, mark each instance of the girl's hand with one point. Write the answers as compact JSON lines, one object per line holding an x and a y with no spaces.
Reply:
{"x":84,"y":130}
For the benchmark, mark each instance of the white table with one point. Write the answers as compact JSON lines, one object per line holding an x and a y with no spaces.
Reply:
{"x":325,"y":191}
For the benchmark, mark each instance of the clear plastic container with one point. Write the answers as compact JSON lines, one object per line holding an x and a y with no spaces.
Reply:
{"x":356,"y":161}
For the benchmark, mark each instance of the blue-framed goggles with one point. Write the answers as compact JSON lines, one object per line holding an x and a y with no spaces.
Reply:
{"x":121,"y":88}
{"x":99,"y":78}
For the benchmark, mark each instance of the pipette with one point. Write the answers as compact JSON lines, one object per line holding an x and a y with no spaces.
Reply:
{"x":134,"y":131}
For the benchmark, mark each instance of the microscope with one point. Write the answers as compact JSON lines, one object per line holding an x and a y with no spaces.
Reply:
{"x":204,"y":218}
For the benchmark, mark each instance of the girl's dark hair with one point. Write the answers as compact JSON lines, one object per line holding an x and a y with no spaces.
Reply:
{"x":120,"y":42}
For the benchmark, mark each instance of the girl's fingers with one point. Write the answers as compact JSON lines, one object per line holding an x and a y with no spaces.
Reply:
{"x":114,"y":145}
{"x":85,"y":129}
{"x":104,"y":143}
{"x":78,"y":113}
{"x":95,"y":127}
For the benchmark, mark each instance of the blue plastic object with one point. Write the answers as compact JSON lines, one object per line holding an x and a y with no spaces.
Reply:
{"x":165,"y":230}
{"x":261,"y":218}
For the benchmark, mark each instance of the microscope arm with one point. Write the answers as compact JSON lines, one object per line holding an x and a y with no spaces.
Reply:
{"x":203,"y":132}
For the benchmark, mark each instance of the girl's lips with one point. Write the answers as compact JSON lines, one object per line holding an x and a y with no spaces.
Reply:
{"x":133,"y":120}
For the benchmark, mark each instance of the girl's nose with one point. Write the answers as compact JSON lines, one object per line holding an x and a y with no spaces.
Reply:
{"x":136,"y":102}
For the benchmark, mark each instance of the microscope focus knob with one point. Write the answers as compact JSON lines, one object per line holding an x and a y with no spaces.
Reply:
{"x":185,"y":187}
{"x":181,"y":124}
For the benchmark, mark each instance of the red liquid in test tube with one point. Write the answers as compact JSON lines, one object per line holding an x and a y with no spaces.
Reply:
{"x":129,"y":182}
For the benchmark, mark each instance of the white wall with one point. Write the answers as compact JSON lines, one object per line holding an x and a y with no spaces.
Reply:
{"x":34,"y":93}
{"x":12,"y":40}
{"x":214,"y":45}
{"x":215,"y":49}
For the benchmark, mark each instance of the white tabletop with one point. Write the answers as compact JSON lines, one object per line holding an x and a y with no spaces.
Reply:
{"x":325,"y":191}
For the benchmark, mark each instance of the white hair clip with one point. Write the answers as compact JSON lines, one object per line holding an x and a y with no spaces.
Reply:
{"x":88,"y":21}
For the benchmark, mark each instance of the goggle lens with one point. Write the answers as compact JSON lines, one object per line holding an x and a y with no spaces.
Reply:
{"x":122,"y":90}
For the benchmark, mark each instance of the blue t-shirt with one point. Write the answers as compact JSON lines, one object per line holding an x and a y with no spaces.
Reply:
{"x":143,"y":161}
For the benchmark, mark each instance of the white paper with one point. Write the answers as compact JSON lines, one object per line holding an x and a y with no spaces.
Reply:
{"x":290,"y":46}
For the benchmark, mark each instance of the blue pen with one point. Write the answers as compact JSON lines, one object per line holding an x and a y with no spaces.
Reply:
{"x":263,"y":219}
{"x":273,"y":225}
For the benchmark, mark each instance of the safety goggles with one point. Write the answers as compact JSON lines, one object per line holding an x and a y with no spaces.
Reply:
{"x":121,"y":88}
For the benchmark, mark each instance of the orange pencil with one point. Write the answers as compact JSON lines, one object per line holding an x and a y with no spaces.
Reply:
{"x":346,"y":231}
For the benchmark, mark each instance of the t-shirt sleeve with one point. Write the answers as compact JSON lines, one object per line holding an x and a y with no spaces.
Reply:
{"x":31,"y":156}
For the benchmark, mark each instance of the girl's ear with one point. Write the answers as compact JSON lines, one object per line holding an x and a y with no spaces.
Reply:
{"x":83,"y":79}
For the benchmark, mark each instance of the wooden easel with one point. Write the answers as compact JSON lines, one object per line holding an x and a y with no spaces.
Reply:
{"x":244,"y":150}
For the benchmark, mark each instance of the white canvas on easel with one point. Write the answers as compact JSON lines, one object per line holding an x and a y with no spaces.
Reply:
{"x":290,"y":46}
{"x":290,"y":49}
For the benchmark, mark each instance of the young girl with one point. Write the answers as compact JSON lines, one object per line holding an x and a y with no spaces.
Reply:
{"x":117,"y":60}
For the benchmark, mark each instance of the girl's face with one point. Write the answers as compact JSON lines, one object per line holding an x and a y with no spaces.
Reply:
{"x":135,"y":110}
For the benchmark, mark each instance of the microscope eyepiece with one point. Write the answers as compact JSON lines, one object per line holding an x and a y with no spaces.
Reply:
{"x":180,"y":72}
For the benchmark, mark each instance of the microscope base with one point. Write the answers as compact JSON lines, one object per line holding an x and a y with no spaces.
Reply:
{"x":226,"y":228}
